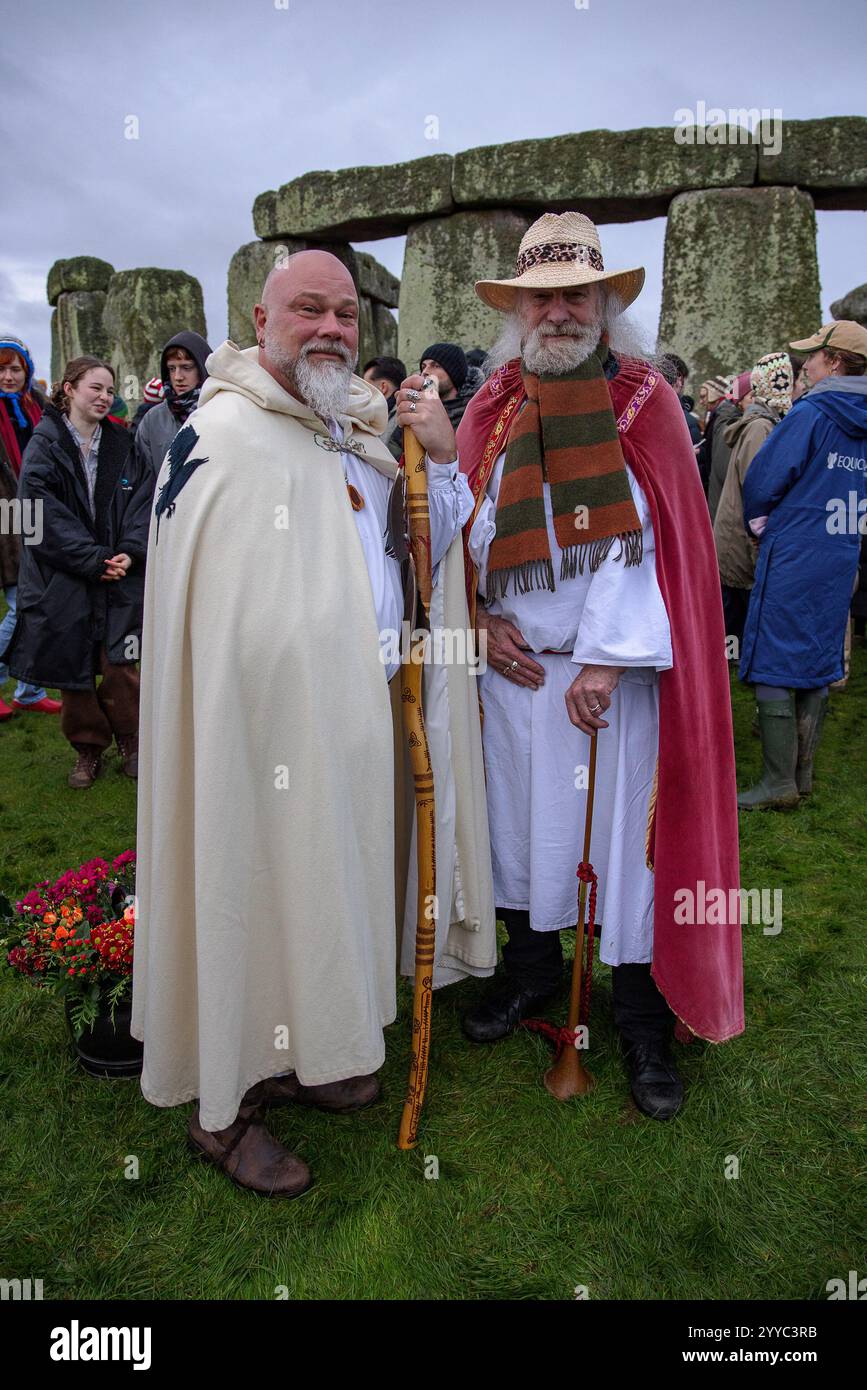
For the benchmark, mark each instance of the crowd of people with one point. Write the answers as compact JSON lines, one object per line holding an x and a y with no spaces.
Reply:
{"x":583,"y":517}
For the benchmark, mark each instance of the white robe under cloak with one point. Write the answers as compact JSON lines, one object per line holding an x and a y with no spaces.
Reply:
{"x":266,"y":932}
{"x":536,"y":760}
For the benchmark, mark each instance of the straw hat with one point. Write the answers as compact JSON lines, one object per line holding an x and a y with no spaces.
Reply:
{"x":559,"y":250}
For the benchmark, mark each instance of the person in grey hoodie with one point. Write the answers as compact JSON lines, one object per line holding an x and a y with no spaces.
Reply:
{"x":768,"y":400}
{"x":183,"y":372}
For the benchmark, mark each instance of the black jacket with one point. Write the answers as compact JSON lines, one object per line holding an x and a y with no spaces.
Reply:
{"x":64,"y":612}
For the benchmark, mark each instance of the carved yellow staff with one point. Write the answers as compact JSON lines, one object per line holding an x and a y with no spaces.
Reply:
{"x":418,"y":519}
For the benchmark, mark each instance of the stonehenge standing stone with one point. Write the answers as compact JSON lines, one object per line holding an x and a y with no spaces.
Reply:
{"x":377,"y":331}
{"x":443,"y":258}
{"x":741,"y":276}
{"x":76,"y":287}
{"x":79,"y":329}
{"x":248,"y":271}
{"x":384,"y":332}
{"x":376,"y":282}
{"x":852,"y":306}
{"x":144,"y":308}
{"x":78,"y":273}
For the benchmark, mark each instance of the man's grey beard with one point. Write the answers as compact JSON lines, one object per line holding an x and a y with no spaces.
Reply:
{"x":323,"y":386}
{"x":553,"y":350}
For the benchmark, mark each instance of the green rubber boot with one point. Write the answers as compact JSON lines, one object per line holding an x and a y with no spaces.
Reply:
{"x":777,"y":787}
{"x":811,"y":706}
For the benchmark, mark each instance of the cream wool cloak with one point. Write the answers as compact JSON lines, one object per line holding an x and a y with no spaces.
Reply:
{"x":267,"y":882}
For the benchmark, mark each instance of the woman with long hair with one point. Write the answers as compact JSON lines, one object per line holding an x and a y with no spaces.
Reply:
{"x":81,"y":587}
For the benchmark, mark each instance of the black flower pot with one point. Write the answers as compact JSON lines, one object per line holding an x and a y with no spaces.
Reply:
{"x":108,"y":1049}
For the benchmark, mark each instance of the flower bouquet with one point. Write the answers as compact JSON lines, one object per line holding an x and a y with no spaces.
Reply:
{"x":74,"y":938}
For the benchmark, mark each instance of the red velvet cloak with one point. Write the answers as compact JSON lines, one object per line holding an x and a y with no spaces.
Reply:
{"x":693,"y":834}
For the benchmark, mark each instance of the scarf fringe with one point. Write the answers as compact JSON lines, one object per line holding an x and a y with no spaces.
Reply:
{"x":576,"y":558}
{"x":539,"y":574}
{"x":535,"y":574}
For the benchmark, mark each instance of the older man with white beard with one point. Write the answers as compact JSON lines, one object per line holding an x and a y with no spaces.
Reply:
{"x":266,"y":936}
{"x":591,"y":558}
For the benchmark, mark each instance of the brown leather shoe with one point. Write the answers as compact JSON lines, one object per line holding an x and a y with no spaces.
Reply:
{"x":87,"y":768}
{"x":339,"y":1097}
{"x":128,"y":749}
{"x":276,"y":1090}
{"x":250,"y":1156}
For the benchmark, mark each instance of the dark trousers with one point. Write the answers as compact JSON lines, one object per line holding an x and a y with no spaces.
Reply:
{"x":89,"y":718}
{"x":735,"y":605}
{"x":640,"y":1011}
{"x":535,"y":958}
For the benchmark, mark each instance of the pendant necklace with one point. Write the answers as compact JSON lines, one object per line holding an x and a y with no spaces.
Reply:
{"x":355,"y":498}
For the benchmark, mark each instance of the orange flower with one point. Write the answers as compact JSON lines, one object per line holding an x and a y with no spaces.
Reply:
{"x":129,"y":913}
{"x":62,"y":933}
{"x":50,"y":918}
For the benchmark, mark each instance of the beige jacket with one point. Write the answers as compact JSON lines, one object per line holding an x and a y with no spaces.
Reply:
{"x":736,"y":554}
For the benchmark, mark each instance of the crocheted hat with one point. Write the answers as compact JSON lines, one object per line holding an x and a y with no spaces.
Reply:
{"x":772,"y":379}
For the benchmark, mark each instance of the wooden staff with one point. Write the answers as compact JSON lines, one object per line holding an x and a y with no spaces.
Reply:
{"x":568,"y":1076}
{"x":418,"y":517}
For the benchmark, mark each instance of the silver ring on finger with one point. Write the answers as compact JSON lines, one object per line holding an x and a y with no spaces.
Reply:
{"x":412,"y":395}
{"x":412,"y":405}
{"x":594,"y":709}
{"x":514,"y":666}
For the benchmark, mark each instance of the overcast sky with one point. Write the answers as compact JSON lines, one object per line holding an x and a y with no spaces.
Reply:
{"x":234,"y":98}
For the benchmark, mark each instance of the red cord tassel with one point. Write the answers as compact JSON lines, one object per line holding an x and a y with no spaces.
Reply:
{"x":566,"y":1037}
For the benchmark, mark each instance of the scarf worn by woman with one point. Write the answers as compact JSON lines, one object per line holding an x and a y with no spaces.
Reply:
{"x":15,"y":433}
{"x":565,"y":435}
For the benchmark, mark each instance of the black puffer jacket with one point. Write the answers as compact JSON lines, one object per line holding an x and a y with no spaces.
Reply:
{"x":64,"y":612}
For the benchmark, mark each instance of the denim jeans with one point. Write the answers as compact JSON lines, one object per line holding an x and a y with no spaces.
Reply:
{"x":27,"y":694}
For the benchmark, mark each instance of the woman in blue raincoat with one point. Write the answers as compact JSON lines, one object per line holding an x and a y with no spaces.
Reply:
{"x":805,"y":497}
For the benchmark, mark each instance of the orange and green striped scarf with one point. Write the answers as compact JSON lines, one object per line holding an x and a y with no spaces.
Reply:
{"x":566,"y":436}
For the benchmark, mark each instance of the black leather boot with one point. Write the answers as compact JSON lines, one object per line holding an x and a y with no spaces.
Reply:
{"x":653,"y":1079}
{"x":533,"y":974}
{"x":646,"y":1025}
{"x":502,"y":1011}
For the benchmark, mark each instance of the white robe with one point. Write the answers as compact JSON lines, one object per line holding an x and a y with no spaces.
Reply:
{"x":536,"y":760}
{"x":265,"y":876}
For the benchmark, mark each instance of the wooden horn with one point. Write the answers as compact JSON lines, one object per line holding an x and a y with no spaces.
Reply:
{"x":568,"y":1076}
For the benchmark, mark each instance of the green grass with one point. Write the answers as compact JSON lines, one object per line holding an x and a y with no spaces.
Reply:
{"x":533,"y":1197}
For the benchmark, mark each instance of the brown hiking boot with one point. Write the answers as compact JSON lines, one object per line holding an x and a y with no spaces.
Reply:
{"x":340,"y":1097}
{"x":250,"y":1156}
{"x":87,"y":768}
{"x":128,"y":749}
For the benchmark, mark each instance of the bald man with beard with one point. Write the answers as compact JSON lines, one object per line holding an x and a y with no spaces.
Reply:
{"x":265,"y":940}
